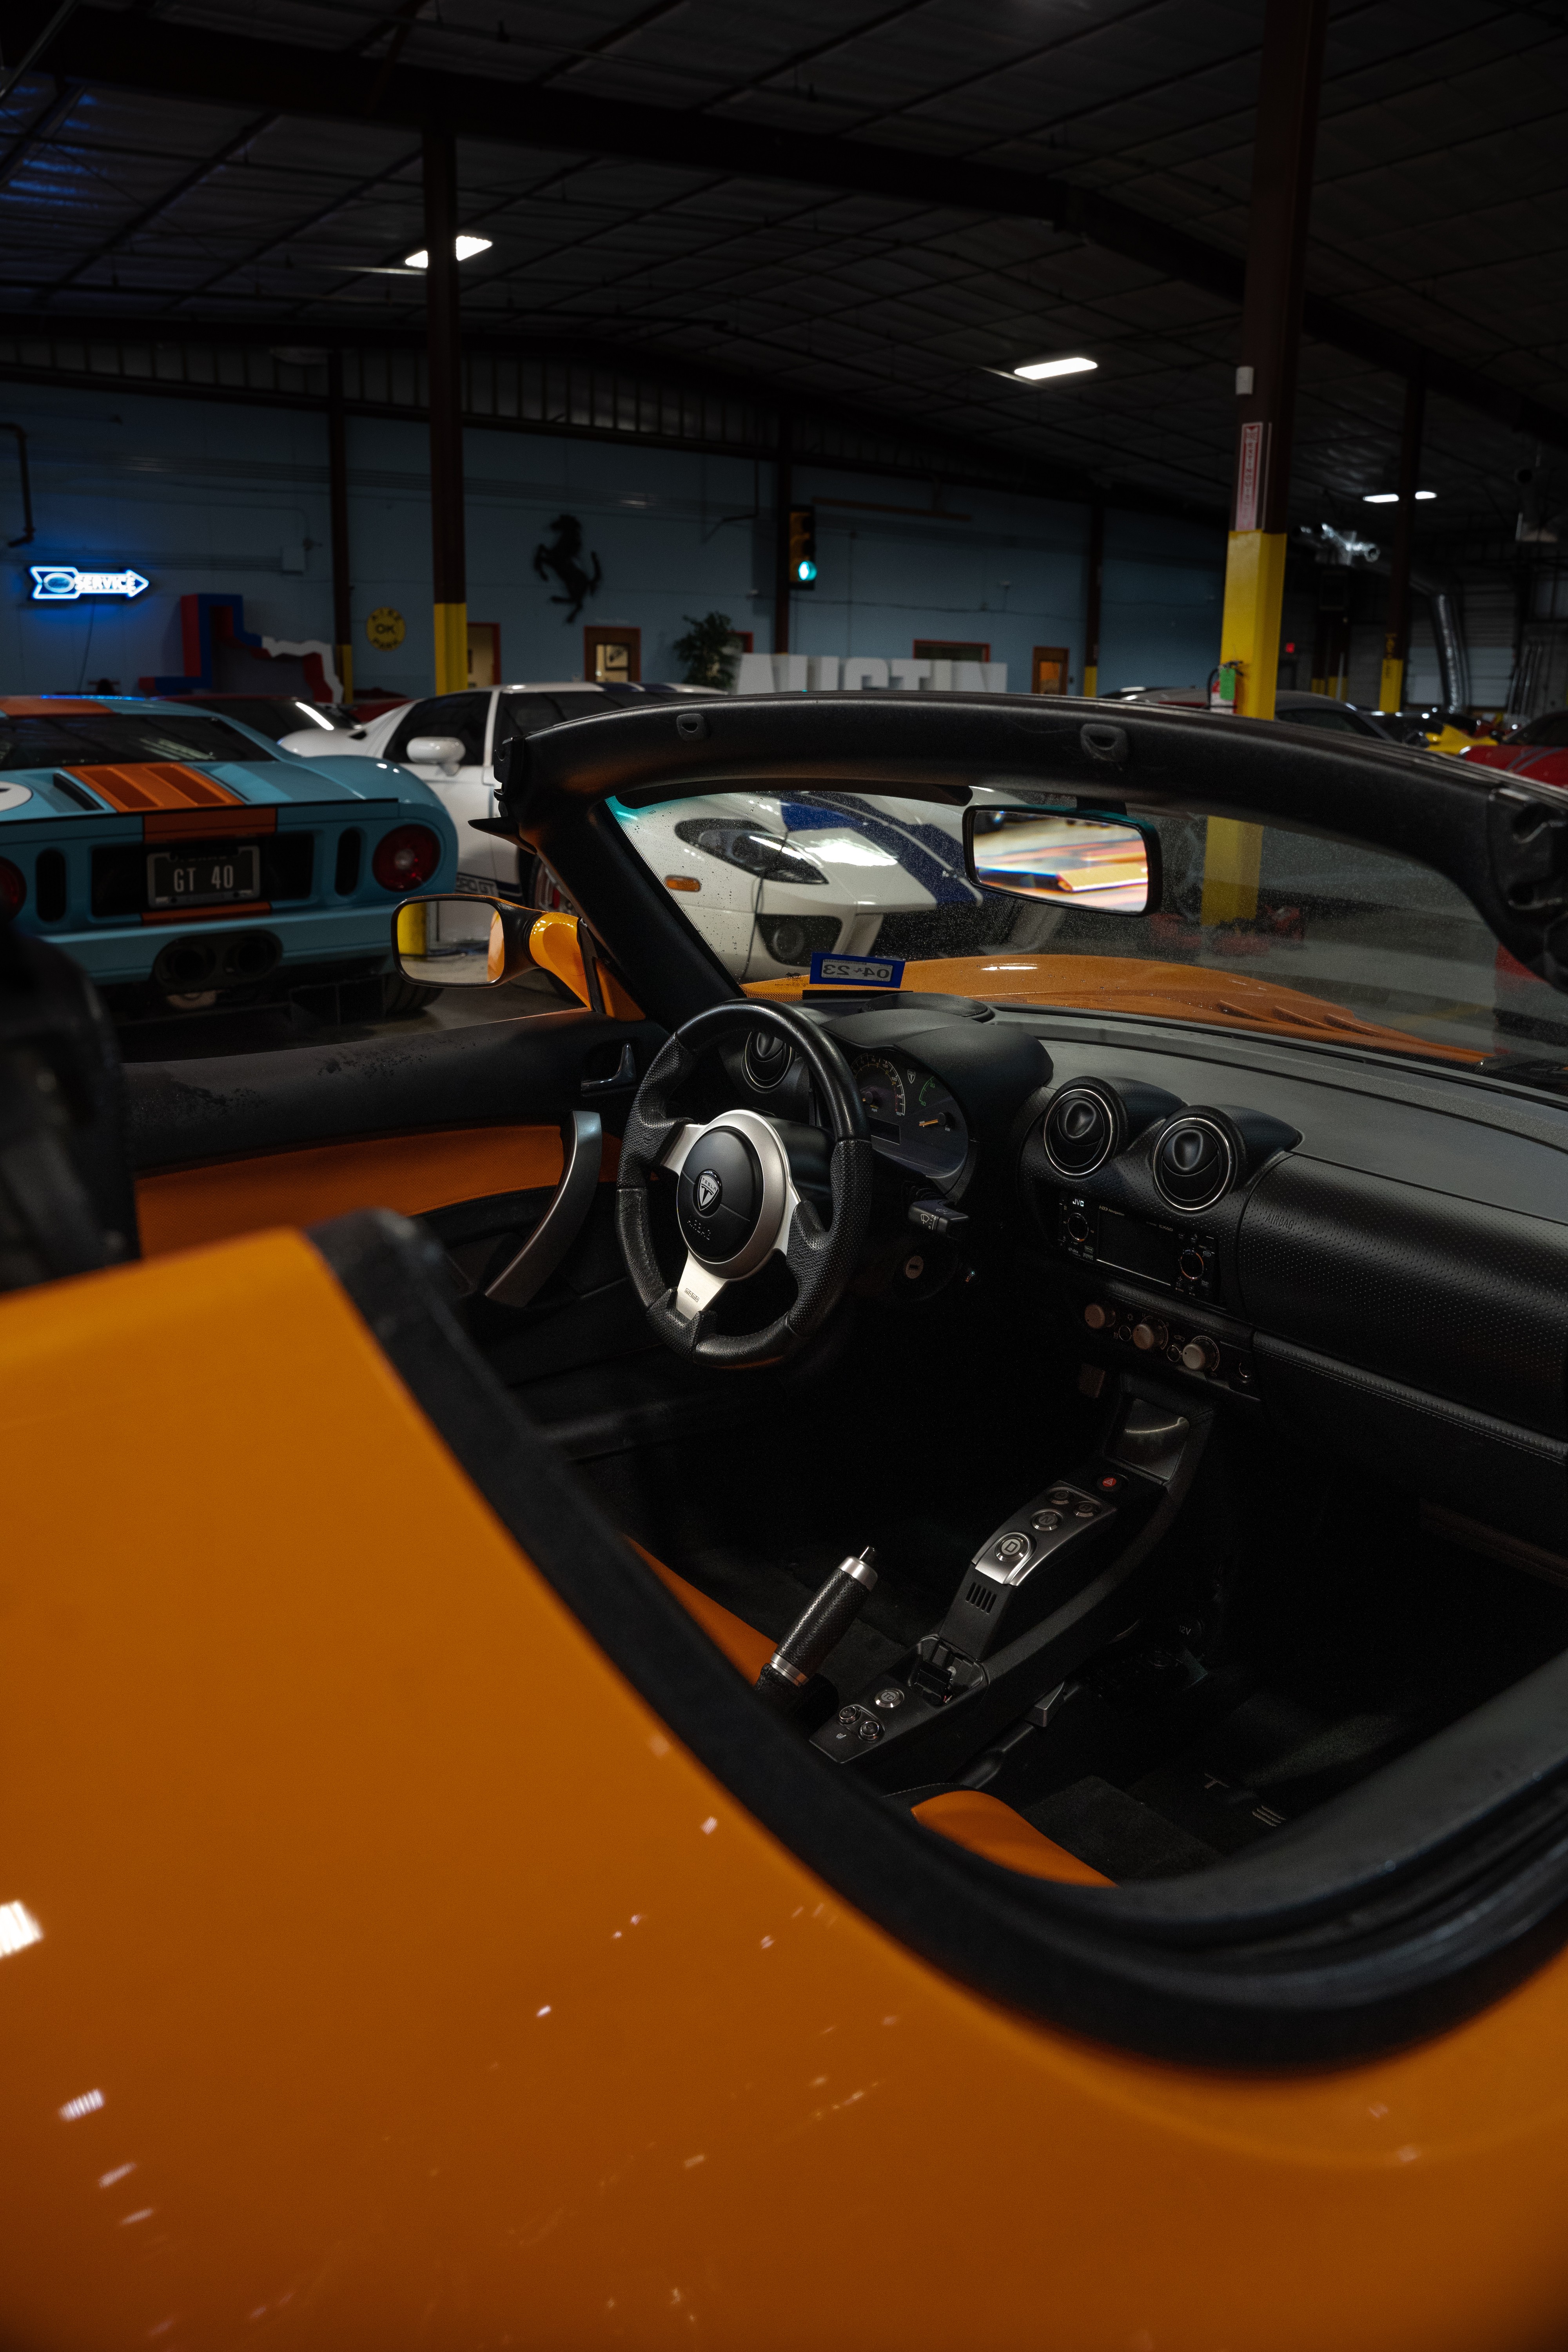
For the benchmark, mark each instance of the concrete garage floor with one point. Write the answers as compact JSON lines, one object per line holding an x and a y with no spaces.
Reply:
{"x":274,"y":1028}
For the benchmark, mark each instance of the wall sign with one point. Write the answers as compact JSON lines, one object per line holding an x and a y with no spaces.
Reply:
{"x":559,"y":556}
{"x":386,"y":628}
{"x":62,"y":583}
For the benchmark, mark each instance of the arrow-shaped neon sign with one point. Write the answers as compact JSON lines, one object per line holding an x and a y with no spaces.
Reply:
{"x":62,"y":583}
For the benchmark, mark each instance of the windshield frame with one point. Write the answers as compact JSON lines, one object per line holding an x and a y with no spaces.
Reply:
{"x":1501,"y":840}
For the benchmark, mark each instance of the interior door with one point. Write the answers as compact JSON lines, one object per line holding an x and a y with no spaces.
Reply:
{"x":459,"y":1128}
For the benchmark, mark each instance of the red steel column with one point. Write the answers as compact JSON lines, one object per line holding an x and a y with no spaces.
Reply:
{"x":444,"y":336}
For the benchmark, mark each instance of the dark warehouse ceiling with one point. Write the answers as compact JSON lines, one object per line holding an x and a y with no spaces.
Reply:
{"x":844,"y":204}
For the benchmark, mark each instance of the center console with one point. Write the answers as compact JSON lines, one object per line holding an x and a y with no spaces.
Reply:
{"x":1057,"y":1580}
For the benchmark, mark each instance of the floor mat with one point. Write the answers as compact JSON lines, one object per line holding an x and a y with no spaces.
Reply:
{"x":1113,"y":1831}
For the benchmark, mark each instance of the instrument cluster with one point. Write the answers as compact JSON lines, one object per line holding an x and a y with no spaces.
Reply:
{"x":914,"y":1119}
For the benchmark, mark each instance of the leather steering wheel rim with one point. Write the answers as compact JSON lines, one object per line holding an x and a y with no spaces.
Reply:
{"x":821,"y":1257}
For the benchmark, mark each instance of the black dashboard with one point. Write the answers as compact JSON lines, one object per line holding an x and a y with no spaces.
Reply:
{"x":1372,"y":1253}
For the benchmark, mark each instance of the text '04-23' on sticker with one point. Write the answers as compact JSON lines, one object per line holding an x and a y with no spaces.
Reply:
{"x":857,"y":972}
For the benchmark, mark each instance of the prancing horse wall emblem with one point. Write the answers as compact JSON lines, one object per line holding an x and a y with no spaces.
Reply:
{"x":710,"y":1191}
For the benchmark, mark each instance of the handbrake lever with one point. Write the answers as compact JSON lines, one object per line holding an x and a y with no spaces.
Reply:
{"x":822,"y":1623}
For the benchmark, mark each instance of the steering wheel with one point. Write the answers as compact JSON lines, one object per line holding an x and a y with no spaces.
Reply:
{"x":737,"y":1201}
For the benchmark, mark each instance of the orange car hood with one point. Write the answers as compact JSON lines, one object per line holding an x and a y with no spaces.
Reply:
{"x":1176,"y":991}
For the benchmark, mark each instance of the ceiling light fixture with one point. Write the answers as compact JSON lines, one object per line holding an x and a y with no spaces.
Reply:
{"x":1037,"y":371}
{"x":1390,"y":497}
{"x":465,"y":247}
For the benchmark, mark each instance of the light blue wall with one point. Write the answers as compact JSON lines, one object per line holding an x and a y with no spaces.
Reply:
{"x":233,"y":498}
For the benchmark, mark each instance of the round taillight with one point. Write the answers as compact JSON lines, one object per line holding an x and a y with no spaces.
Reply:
{"x":405,"y":858}
{"x":13,"y":886}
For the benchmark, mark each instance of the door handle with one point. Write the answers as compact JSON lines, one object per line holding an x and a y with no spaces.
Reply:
{"x":583,"y":1143}
{"x":623,"y":1074}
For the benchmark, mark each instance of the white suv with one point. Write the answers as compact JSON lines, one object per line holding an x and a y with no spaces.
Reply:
{"x":451,"y":742}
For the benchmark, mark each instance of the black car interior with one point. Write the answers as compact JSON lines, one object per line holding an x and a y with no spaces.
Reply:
{"x":1171,"y":1444}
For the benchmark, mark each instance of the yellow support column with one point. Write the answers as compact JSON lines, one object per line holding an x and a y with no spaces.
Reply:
{"x":345,"y":667}
{"x":1284,"y":135}
{"x":1391,"y":679}
{"x":451,"y":648}
{"x":1249,"y":630}
{"x":1250,"y":640}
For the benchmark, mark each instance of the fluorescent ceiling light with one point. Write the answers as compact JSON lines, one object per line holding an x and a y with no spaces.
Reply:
{"x":465,"y":247}
{"x":1037,"y":371}
{"x":1390,"y":497}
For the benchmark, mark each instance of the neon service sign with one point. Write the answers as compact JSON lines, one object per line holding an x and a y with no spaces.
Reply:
{"x":62,"y":583}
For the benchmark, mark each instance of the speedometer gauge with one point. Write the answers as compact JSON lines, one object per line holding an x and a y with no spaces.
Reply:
{"x":881,"y":1089}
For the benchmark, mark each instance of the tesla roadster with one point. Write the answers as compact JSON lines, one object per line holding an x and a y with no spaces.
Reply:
{"x":883,"y":1656}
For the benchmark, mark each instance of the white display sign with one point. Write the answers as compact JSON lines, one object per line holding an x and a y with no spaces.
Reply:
{"x":848,"y":673}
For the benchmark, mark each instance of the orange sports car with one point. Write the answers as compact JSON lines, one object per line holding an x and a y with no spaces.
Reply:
{"x":881,"y":1657}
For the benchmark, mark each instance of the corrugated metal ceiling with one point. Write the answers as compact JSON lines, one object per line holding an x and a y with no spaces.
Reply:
{"x":1439,"y":210}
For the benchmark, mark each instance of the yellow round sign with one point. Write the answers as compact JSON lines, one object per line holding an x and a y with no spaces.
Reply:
{"x":386,"y":628}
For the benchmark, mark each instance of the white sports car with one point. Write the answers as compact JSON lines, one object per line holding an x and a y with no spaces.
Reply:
{"x":772,"y":879}
{"x":452,"y":741}
{"x":769,"y":879}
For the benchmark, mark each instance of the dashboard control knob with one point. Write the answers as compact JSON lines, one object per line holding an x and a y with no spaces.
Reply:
{"x":1045,"y":1523}
{"x":1201,"y":1354}
{"x":1191,"y":1265}
{"x":1096,"y":1316}
{"x":1152,"y":1333}
{"x":1077,"y":1226}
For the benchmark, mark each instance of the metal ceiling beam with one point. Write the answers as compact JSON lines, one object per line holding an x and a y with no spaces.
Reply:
{"x":39,"y":131}
{"x":928,"y":450}
{"x":127,"y":49}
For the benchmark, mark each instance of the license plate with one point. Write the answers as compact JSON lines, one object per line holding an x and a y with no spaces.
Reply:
{"x":207,"y":879}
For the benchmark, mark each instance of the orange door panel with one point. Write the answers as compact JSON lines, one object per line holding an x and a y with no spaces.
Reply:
{"x":376,"y":1970}
{"x":183,"y":1207}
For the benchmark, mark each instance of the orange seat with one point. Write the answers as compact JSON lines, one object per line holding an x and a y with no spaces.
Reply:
{"x":985,"y":1825}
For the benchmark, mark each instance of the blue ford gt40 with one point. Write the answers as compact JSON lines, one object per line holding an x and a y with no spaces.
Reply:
{"x":185,"y":862}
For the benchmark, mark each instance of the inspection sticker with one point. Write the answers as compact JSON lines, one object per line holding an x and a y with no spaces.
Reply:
{"x":857,"y":972}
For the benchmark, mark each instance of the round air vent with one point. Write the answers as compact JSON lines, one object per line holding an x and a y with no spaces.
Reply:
{"x":1194,"y":1163}
{"x":1082,"y":1129}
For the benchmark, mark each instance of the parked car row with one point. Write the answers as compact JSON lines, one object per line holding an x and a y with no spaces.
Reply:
{"x":226,"y":849}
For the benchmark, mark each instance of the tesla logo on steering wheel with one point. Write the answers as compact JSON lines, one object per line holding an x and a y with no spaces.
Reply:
{"x":709,"y":1192}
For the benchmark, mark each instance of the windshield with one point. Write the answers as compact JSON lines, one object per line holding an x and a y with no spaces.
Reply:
{"x":1256,"y":926}
{"x":76,"y":740}
{"x":276,"y":714}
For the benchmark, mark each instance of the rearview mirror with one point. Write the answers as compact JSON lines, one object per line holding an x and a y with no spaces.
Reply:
{"x":1044,"y":855}
{"x":461,"y":942}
